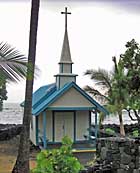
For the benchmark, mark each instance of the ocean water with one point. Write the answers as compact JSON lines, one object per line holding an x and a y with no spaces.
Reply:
{"x":13,"y":114}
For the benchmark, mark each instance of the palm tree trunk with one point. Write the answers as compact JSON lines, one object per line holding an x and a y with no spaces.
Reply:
{"x":122,"y":131}
{"x":22,"y":162}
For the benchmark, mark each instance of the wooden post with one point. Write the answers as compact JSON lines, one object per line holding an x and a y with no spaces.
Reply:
{"x":96,"y":124}
{"x":37,"y":142}
{"x":44,"y":130}
{"x":90,"y":138}
{"x":74,"y":126}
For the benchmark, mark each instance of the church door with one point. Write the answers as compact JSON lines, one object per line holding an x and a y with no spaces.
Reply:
{"x":64,"y":125}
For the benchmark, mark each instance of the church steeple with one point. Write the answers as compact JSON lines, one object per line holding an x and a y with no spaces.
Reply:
{"x":65,"y":54}
{"x":65,"y":65}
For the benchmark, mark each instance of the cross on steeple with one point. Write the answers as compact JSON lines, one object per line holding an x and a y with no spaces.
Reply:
{"x":65,"y":74}
{"x":66,"y":12}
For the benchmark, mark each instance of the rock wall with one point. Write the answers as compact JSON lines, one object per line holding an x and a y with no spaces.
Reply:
{"x":8,"y":131}
{"x":122,"y":154}
{"x":128,"y":127}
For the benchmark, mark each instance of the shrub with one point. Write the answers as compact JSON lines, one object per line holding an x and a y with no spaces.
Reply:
{"x":58,"y":160}
{"x":109,"y":131}
{"x":135,"y":133}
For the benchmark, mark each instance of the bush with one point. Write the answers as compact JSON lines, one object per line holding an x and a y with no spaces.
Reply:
{"x":58,"y":160}
{"x":109,"y":131}
{"x":135,"y":133}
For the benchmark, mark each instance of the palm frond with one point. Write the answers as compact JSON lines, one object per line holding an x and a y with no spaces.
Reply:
{"x":95,"y":92}
{"x":100,"y":76}
{"x":91,"y":90}
{"x":13,"y":64}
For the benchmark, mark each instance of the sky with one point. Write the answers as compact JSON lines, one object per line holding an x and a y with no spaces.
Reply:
{"x":97,"y":29}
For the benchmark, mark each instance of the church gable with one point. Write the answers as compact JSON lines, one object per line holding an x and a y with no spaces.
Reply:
{"x":72,"y":98}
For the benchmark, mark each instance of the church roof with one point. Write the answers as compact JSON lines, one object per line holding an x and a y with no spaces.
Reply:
{"x":65,"y":54}
{"x":42,"y":93}
{"x":48,"y":94}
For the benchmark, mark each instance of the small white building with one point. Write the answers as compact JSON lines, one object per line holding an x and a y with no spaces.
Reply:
{"x":62,"y":108}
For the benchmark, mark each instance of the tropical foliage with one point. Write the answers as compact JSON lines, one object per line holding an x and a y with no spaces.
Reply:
{"x":121,"y":86}
{"x":110,"y":83}
{"x":135,"y":133}
{"x":58,"y":160}
{"x":110,"y":131}
{"x":131,"y":63}
{"x":13,"y":67}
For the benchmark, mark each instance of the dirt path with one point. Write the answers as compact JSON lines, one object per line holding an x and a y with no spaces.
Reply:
{"x":9,"y":149}
{"x":8,"y":154}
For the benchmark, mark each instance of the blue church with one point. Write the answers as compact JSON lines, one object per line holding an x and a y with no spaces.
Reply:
{"x":62,"y":108}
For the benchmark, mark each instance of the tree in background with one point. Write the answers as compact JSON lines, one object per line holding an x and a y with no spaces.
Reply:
{"x":119,"y":95}
{"x":102,"y":79}
{"x":131,"y":63}
{"x":122,"y":85}
{"x":22,"y":162}
{"x":3,"y":93}
{"x":13,"y":68}
{"x":112,"y":85}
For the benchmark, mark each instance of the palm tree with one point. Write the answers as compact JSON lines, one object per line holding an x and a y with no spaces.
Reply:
{"x":113,"y":85}
{"x":13,"y":65}
{"x":13,"y":68}
{"x":102,"y":78}
{"x":22,"y":162}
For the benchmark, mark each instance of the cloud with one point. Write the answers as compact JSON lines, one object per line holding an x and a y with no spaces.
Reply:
{"x":131,"y":6}
{"x":127,"y":5}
